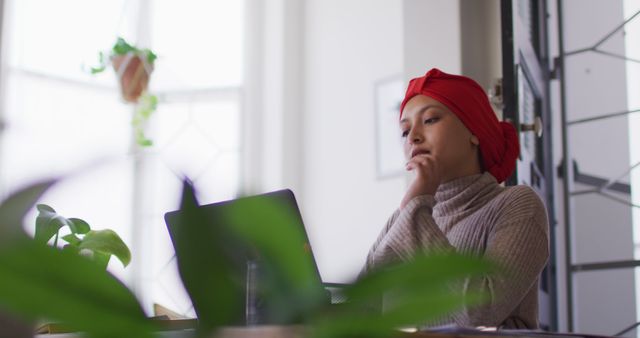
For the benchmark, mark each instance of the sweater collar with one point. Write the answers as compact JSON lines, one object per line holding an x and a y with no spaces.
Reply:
{"x":461,"y":192}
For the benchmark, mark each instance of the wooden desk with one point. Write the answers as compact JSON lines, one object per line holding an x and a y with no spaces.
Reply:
{"x":299,"y":332}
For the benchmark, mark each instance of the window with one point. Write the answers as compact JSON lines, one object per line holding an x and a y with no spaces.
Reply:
{"x":62,"y":121}
{"x":632,"y":51}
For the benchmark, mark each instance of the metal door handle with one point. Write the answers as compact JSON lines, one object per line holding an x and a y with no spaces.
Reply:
{"x":535,"y":127}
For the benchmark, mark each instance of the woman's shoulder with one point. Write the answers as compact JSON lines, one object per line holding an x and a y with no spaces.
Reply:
{"x":521,"y":201}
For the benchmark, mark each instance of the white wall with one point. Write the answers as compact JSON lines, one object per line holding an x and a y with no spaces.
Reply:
{"x":310,"y":118}
{"x":432,"y":36}
{"x":274,"y":96}
{"x":457,"y":36}
{"x":481,"y":40}
{"x":348,"y":47}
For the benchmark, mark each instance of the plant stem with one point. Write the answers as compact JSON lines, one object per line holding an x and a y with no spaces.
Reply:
{"x":55,"y":241}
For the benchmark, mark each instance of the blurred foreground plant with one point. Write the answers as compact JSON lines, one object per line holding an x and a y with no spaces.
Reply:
{"x":41,"y":282}
{"x":208,"y":268}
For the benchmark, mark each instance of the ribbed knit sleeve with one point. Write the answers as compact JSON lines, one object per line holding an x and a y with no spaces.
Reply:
{"x":370,"y":262}
{"x":519,"y":245}
{"x":415,"y":229}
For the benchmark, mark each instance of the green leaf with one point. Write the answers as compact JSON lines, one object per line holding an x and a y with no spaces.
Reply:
{"x":45,"y":208}
{"x":122,"y":47}
{"x":290,"y":281}
{"x":97,"y":70}
{"x":424,"y":271}
{"x":72,"y":239}
{"x":144,"y":142}
{"x":15,"y":207}
{"x":141,"y":139}
{"x":100,"y":258}
{"x":48,"y":223}
{"x":71,"y":248}
{"x":79,"y":226}
{"x":210,"y":262}
{"x":42,"y":282}
{"x":418,"y":310}
{"x":102,"y":64}
{"x":423,"y":289}
{"x":151,"y":56}
{"x":106,"y":242}
{"x":147,"y":105}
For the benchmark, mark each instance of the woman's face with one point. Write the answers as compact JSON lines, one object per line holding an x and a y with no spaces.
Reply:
{"x":429,"y":127}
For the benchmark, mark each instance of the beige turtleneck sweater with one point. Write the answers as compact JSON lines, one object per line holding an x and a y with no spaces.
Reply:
{"x":477,"y":216}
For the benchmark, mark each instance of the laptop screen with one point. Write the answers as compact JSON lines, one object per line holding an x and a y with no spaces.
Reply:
{"x":247,"y":259}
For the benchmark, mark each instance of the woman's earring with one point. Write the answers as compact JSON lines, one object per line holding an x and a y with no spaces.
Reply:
{"x":474,"y":140}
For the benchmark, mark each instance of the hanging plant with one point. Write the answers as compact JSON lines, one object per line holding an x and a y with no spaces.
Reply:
{"x":133,"y":67}
{"x":147,"y":104}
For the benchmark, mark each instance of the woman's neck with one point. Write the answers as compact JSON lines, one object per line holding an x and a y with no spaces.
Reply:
{"x":473,"y":169}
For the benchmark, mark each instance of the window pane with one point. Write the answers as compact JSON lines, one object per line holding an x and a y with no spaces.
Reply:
{"x":54,"y":128}
{"x":59,"y":122}
{"x":604,"y":301}
{"x":201,"y":140}
{"x":199,"y":43}
{"x":58,"y":37}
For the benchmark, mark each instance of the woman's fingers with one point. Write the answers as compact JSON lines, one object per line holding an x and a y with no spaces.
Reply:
{"x":427,"y":177}
{"x":425,"y":161}
{"x":427,"y":170}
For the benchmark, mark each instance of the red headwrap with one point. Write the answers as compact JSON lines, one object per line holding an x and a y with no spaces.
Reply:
{"x":499,"y":144}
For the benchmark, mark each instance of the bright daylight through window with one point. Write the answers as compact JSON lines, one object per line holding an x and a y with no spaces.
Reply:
{"x":59,"y":120}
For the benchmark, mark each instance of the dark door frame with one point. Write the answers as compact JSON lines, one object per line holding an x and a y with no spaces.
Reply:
{"x":529,"y":56}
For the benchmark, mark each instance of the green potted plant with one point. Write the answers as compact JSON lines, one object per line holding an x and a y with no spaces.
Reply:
{"x":96,"y":245}
{"x":133,"y":67}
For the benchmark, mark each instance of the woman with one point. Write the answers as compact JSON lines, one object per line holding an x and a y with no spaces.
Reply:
{"x":459,"y":153}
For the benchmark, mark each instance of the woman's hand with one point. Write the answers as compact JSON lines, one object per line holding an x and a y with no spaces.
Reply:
{"x":427,"y":178}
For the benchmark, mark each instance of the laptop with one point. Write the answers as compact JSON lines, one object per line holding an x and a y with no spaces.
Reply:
{"x":254,"y":312}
